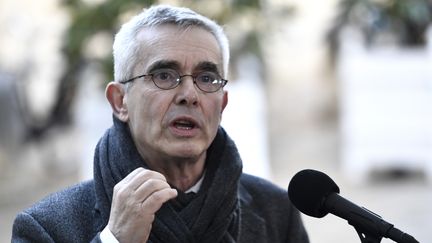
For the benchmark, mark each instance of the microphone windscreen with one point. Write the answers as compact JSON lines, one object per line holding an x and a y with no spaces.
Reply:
{"x":308,"y":190}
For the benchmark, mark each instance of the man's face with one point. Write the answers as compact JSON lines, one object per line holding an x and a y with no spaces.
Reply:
{"x":180,"y":122}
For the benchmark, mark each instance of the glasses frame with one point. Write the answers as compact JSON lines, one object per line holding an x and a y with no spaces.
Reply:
{"x":179,"y":80}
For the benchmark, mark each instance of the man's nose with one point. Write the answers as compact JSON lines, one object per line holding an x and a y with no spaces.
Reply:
{"x":187,"y":93}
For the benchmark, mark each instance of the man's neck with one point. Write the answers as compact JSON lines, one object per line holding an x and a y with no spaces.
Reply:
{"x":180,"y":173}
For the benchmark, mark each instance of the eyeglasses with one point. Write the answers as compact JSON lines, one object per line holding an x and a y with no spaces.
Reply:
{"x":167,"y":78}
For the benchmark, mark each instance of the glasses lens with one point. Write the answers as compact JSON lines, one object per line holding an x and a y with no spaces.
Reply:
{"x":209,"y":81}
{"x":165,"y":78}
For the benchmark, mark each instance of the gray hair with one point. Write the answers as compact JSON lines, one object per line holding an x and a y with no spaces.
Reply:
{"x":126,"y":48}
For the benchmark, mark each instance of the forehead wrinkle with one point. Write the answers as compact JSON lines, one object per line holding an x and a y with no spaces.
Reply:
{"x":152,"y":45}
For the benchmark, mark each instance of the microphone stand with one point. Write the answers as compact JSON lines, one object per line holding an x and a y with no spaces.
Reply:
{"x":368,"y":237}
{"x":370,"y":227}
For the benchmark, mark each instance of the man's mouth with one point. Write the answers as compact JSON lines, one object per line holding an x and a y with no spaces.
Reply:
{"x":184,"y":124}
{"x":185,"y":127}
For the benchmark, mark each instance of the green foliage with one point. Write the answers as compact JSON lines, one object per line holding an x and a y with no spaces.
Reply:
{"x":407,"y":20}
{"x":89,"y":20}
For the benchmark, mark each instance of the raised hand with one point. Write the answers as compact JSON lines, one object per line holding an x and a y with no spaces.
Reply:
{"x":136,"y":199}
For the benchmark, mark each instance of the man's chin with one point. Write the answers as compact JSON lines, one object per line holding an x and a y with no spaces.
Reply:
{"x":187,"y":153}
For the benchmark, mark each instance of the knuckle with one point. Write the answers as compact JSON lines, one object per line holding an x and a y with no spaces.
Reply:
{"x":157,"y":197}
{"x":121,"y":191}
{"x":154,"y":183}
{"x":160,"y":197}
{"x":154,"y":202}
{"x":117,"y":188}
{"x":153,"y":174}
{"x":139,"y":169}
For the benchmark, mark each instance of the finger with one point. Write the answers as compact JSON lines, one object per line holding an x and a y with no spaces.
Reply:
{"x":122,"y":186}
{"x":139,"y":176}
{"x":131,"y":175}
{"x":149,"y":187}
{"x":132,"y":181}
{"x":155,"y":201}
{"x":144,"y":176}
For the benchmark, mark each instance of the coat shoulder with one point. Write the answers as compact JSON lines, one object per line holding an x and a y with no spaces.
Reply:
{"x":260,"y":188}
{"x":73,"y":200}
{"x":64,"y":216}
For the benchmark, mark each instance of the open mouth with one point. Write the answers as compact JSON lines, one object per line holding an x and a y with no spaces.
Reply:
{"x":184,"y":124}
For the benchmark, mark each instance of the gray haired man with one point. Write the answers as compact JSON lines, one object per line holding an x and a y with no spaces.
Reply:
{"x":166,"y":171}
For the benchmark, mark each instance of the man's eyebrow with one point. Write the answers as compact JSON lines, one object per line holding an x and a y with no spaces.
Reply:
{"x":207,"y":66}
{"x":202,"y":66}
{"x":164,"y":64}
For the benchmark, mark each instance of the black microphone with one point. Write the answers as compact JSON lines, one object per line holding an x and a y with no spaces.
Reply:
{"x":316,"y":194}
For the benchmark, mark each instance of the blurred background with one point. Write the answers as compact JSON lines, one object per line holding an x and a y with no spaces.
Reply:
{"x":344,"y":87}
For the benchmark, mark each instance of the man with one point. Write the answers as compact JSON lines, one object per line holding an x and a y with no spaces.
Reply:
{"x":166,"y":171}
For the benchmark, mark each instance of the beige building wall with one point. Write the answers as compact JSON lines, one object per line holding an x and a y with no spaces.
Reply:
{"x":301,"y":91}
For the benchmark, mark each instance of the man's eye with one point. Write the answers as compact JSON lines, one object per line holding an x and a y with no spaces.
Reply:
{"x":164,"y":75}
{"x":207,"y":77}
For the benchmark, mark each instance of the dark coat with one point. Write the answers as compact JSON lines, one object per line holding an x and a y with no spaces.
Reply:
{"x":266,"y":215}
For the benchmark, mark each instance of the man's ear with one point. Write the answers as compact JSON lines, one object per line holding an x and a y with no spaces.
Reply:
{"x":224,"y":100}
{"x":116,"y":96}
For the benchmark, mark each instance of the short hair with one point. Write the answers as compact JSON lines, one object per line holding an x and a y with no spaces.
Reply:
{"x":126,"y":48}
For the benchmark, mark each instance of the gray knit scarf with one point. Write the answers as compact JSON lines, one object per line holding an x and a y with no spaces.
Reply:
{"x":211,"y":215}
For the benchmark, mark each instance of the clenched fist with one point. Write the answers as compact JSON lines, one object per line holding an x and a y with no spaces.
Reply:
{"x":136,"y":199}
